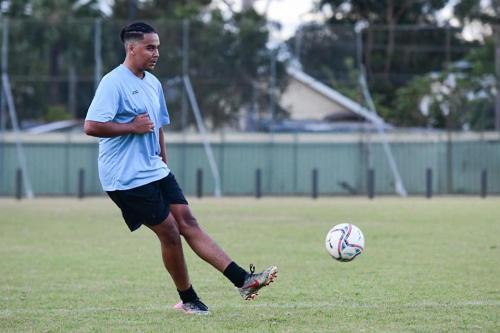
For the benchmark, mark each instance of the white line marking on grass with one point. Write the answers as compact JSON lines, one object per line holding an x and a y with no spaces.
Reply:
{"x":9,"y":312}
{"x":424,"y":304}
{"x":298,"y":305}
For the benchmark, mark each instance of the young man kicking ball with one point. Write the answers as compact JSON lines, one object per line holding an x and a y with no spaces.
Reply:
{"x":127,"y":114}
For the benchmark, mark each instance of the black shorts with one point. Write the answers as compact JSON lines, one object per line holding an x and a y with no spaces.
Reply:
{"x":148,"y":204}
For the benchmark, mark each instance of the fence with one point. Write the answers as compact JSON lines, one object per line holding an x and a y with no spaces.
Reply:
{"x":54,"y":68}
{"x":277,"y":164}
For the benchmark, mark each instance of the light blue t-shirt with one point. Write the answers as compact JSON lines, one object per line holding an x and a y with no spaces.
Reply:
{"x":130,"y":160}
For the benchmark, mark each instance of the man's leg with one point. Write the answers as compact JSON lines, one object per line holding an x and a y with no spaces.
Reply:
{"x":171,"y":251}
{"x":204,"y":246}
{"x":201,"y":243}
{"x":173,"y":259}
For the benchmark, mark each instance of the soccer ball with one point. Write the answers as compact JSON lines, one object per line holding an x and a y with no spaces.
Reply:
{"x":344,"y":242}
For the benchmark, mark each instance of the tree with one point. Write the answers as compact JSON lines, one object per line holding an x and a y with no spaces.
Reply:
{"x":229,"y":62}
{"x":46,"y":38}
{"x":402,"y":42}
{"x":329,"y":55}
{"x":461,"y":97}
{"x":158,"y":9}
{"x":52,"y":45}
{"x":384,"y":12}
{"x":469,"y":10}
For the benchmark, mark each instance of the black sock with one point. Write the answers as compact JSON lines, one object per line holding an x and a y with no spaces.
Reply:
{"x":235,"y":274}
{"x":188,"y":295}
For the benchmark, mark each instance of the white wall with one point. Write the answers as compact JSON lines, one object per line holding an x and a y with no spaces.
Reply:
{"x":304,"y":103}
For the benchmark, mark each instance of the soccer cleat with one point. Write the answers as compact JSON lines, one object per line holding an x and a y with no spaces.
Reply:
{"x":196,"y":307}
{"x":254,"y":282}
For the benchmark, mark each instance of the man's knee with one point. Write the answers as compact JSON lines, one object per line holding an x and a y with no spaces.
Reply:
{"x":185,"y":220}
{"x":168,"y":232}
{"x":188,"y":224}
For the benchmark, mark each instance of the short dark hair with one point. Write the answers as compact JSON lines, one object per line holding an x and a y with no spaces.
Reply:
{"x":135,"y":31}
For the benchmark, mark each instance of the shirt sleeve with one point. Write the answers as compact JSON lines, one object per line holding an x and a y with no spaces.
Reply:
{"x":164,"y":117}
{"x":105,"y":104}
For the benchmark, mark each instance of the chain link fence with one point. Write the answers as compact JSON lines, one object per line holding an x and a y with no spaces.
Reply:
{"x":418,"y":76}
{"x":54,"y":68}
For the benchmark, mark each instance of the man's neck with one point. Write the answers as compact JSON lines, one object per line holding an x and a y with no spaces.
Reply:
{"x":136,"y":71}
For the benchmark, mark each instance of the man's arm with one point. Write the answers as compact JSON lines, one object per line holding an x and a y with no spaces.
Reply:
{"x":140,"y":125}
{"x":163,"y":149}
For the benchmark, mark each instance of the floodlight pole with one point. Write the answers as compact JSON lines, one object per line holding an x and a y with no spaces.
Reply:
{"x":7,"y":95}
{"x":2,"y":104}
{"x":272,"y":88}
{"x":97,"y":52}
{"x":496,"y":30}
{"x":5,"y":60}
{"x":132,"y":10}
{"x":184,"y":99}
{"x":400,"y":189}
{"x":206,"y":143}
{"x":185,"y":72}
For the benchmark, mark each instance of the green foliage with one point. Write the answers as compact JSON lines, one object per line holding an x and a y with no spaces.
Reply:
{"x":406,"y":111}
{"x":229,"y":62}
{"x":469,"y":10}
{"x":56,"y":112}
{"x":327,"y":54}
{"x":384,"y":11}
{"x":45,"y":37}
{"x":346,"y":84}
{"x":482,"y":59}
{"x":470,"y":100}
{"x":52,"y":10}
{"x":398,"y":60}
{"x":158,"y":9}
{"x":455,"y":100}
{"x":72,"y":265}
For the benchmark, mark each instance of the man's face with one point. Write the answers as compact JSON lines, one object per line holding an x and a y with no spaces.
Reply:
{"x":145,"y":51}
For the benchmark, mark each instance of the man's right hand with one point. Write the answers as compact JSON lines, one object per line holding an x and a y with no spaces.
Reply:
{"x":142,"y":124}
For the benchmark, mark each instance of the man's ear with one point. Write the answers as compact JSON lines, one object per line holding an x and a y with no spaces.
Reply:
{"x":130,"y":48}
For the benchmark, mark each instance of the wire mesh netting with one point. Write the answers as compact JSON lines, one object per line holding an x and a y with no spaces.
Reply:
{"x":54,"y":67}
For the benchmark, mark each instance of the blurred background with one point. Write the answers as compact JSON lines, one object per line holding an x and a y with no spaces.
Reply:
{"x":267,"y":97}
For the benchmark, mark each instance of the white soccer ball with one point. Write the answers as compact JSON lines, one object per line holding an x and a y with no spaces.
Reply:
{"x":344,"y":242}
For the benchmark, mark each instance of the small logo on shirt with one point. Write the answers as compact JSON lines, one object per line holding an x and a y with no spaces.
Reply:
{"x":135,"y":92}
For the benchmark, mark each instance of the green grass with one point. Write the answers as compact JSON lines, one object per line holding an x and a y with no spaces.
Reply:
{"x":429,"y":266}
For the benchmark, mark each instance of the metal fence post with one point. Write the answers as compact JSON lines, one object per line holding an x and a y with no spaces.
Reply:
{"x":81,"y":183}
{"x":19,"y":184}
{"x":199,"y":183}
{"x":371,"y":183}
{"x":258,"y":183}
{"x":315,"y":183}
{"x":484,"y":183}
{"x":428,"y":183}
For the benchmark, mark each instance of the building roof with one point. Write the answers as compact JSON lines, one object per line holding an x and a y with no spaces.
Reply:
{"x":334,"y":95}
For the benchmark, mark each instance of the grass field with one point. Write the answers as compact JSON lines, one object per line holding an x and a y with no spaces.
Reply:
{"x":429,"y":266}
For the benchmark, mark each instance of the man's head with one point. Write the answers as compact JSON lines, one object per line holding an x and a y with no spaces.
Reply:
{"x":141,"y":44}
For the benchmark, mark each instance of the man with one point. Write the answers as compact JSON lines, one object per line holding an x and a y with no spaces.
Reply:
{"x":127,"y":114}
